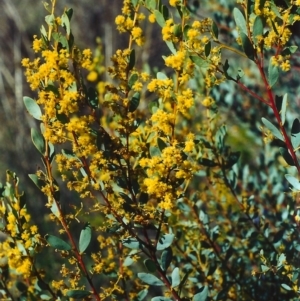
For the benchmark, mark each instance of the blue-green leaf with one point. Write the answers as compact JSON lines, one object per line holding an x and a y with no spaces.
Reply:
{"x":202,"y":296}
{"x":175,"y":277}
{"x":58,"y":243}
{"x":286,"y":287}
{"x":85,"y":237}
{"x":134,"y":102}
{"x":165,"y":241}
{"x":32,"y":107}
{"x":273,"y":74}
{"x":200,"y":62}
{"x":38,"y":182}
{"x":293,"y":181}
{"x":283,"y":108}
{"x":272,"y":128}
{"x":247,"y":46}
{"x":150,"y":265}
{"x":166,"y":258}
{"x":141,"y":295}
{"x":240,"y":20}
{"x":150,"y":279}
{"x":151,"y":4}
{"x":130,"y":243}
{"x":159,"y":18}
{"x":215,"y":30}
{"x":258,"y":28}
{"x":78,"y":294}
{"x":287,"y":156}
{"x":38,"y":140}
{"x":161,"y":299}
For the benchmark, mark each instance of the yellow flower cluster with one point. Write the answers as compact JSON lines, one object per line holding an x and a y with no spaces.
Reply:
{"x":176,"y":61}
{"x":282,"y":62}
{"x":163,"y":172}
{"x":128,"y":22}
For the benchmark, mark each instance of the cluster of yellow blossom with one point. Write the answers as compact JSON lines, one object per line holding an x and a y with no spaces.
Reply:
{"x":282,"y":62}
{"x":169,"y":31}
{"x":128,"y":22}
{"x":20,"y":237}
{"x":164,"y":171}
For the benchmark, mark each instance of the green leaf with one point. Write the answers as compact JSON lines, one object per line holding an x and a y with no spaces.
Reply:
{"x":38,"y":141}
{"x":66,"y":23}
{"x":92,"y":97}
{"x":247,"y":46}
{"x":240,"y":20}
{"x":132,"y":80}
{"x":293,"y":181}
{"x":50,"y":19}
{"x":207,"y":48}
{"x":141,"y":295}
{"x":171,"y":46}
{"x":200,"y":62}
{"x":264,"y":268}
{"x":286,"y":287}
{"x":175,"y":277}
{"x":165,"y":241}
{"x":134,"y":102}
{"x":85,"y":237}
{"x":78,"y":294}
{"x":289,"y":50}
{"x":58,"y":243}
{"x":283,"y":108}
{"x":207,"y":162}
{"x":161,"y":144}
{"x":273,"y":74}
{"x":32,"y":107}
{"x":215,"y":30}
{"x":202,"y":296}
{"x":131,"y":243}
{"x":150,"y":265}
{"x":38,"y":182}
{"x":151,"y":4}
{"x":166,"y":258}
{"x":287,"y":156}
{"x":295,"y":133}
{"x":131,"y":62}
{"x":150,"y":279}
{"x":272,"y":128}
{"x":161,"y":76}
{"x":134,"y":2}
{"x":161,"y":299}
{"x":159,"y":18}
{"x":258,"y":28}
{"x":164,"y":10}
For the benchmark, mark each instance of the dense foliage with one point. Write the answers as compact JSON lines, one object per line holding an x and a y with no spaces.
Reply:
{"x":149,"y":195}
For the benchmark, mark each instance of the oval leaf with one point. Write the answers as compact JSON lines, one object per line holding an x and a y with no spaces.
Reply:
{"x":78,"y":294}
{"x":150,"y":265}
{"x":165,"y":241}
{"x":272,"y":128}
{"x":166,"y":258}
{"x":58,"y":243}
{"x":150,"y":279}
{"x":175,"y":277}
{"x":32,"y":107}
{"x":293,"y":181}
{"x":38,"y":141}
{"x":85,"y":237}
{"x":130,"y":243}
{"x":202,"y":296}
{"x":240,"y":20}
{"x":273,"y":74}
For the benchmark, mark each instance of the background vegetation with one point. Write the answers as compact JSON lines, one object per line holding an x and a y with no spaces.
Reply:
{"x":231,"y":229}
